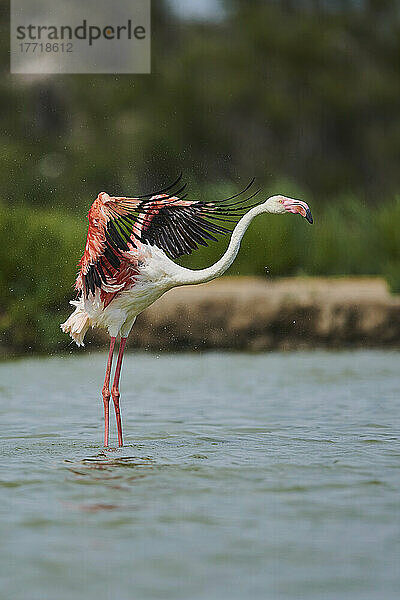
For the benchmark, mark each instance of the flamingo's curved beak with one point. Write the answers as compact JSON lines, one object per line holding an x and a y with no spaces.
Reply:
{"x":308,"y":216}
{"x":300,"y":207}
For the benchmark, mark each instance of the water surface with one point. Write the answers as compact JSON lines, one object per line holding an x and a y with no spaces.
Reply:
{"x":271,"y":476}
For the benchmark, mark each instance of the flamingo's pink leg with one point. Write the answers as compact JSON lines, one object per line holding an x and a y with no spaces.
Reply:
{"x":106,"y":390}
{"x":115,"y":390}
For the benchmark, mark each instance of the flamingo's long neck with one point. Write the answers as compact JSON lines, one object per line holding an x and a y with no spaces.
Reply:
{"x":187,"y":276}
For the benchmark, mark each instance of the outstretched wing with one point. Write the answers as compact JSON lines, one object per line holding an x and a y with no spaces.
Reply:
{"x":178,"y":225}
{"x":169,"y":221}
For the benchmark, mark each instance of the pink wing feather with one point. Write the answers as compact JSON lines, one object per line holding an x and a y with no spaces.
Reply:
{"x":119,"y":226}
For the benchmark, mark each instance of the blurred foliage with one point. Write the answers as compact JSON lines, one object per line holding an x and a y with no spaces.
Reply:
{"x":38,"y":268}
{"x":277,"y":89}
{"x":303,"y":94}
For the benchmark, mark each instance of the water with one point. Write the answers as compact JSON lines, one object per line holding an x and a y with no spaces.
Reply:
{"x":272,"y":476}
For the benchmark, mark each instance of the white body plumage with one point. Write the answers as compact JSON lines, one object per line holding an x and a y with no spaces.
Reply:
{"x":157,"y":274}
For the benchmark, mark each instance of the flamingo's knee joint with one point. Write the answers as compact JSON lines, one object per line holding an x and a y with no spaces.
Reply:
{"x":115,"y":395}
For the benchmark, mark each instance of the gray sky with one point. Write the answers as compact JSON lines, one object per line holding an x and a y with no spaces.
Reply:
{"x":199,"y":10}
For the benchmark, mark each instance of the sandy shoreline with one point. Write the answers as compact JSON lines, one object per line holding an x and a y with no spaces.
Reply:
{"x":249,"y":313}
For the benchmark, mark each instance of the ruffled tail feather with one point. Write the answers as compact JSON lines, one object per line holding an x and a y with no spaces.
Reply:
{"x":77,"y":324}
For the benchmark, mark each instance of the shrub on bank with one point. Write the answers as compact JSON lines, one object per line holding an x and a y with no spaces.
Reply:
{"x":38,"y":264}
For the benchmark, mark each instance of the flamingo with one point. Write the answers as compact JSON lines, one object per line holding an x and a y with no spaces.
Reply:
{"x":127,"y":263}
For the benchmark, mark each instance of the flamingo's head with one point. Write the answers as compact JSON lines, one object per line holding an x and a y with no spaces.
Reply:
{"x":279,"y":205}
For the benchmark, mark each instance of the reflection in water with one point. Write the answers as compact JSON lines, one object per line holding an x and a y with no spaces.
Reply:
{"x":92,"y":508}
{"x":111,"y":471}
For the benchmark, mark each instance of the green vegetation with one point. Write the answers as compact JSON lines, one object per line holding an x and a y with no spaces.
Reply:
{"x":277,"y":90}
{"x":39,"y":265}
